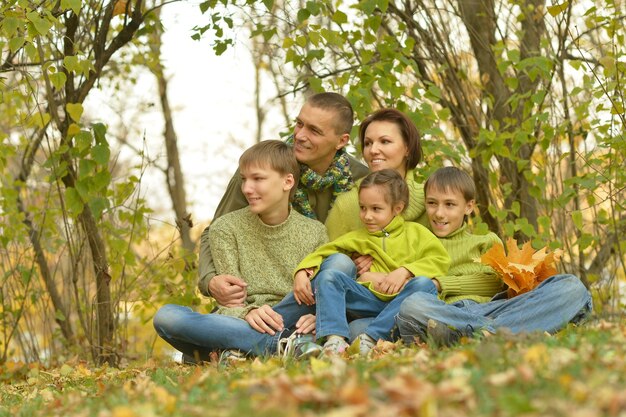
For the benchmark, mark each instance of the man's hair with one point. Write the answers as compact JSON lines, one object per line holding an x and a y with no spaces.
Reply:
{"x":344,"y":115}
{"x":448,"y":179}
{"x":396,"y":190}
{"x":275,"y":155}
{"x":410,"y":134}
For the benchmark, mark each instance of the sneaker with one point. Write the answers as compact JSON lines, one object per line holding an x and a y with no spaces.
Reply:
{"x":366,"y":343}
{"x":335,"y":345}
{"x":231,"y":356}
{"x":441,"y":334}
{"x":298,"y":346}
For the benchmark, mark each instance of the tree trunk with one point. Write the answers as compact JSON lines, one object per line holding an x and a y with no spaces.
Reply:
{"x":174,"y":177}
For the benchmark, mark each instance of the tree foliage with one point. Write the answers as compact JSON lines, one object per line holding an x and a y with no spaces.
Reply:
{"x":72,"y":220}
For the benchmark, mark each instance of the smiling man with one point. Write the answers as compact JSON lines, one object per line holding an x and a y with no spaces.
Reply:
{"x":321,"y":133}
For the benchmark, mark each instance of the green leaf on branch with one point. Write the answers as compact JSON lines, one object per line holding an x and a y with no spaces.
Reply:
{"x":82,"y":140}
{"x":101,"y":180}
{"x":101,"y":154}
{"x":70,"y":63}
{"x":557,"y":9}
{"x":10,"y":25}
{"x":73,"y":201}
{"x":99,"y":132}
{"x":42,"y":25}
{"x":16,"y":43}
{"x":303,"y":14}
{"x":340,"y":17}
{"x":98,"y":205}
{"x":75,"y":110}
{"x":577,"y":218}
{"x":58,"y":80}
{"x":71,"y":4}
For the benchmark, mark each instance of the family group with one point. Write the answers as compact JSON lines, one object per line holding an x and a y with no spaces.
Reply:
{"x":311,"y":251}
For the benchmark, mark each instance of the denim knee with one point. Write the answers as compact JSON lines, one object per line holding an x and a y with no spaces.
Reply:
{"x":327,"y":277}
{"x":412,"y":306}
{"x":339,"y":262}
{"x":166,"y":318}
{"x":421,"y":284}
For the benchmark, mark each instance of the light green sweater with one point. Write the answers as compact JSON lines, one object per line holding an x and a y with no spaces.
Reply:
{"x":400,"y":244}
{"x":263,"y":256}
{"x":466,"y":278}
{"x":344,"y":215}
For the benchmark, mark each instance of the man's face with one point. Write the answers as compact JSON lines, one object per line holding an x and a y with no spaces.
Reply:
{"x":315,"y":138}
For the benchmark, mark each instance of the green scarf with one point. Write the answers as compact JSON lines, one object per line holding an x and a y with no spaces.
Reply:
{"x":338,"y":176}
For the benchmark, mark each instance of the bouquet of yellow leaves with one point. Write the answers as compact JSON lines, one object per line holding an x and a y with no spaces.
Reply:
{"x":522,"y":269}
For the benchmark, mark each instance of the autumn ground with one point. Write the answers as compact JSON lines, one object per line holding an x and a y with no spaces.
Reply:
{"x":579,"y":372}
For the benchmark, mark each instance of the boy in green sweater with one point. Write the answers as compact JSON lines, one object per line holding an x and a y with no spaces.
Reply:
{"x":260,"y":244}
{"x":449,"y":194}
{"x":468,"y":299}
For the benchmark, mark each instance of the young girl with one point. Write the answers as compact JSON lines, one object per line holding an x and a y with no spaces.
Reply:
{"x":400,"y":250}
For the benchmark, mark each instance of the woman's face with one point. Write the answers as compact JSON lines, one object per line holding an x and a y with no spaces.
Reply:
{"x":384,"y":147}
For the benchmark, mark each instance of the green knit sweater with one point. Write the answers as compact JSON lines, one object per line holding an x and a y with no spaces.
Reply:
{"x":466,"y":278}
{"x":263,"y":256}
{"x":344,"y":215}
{"x":400,"y":244}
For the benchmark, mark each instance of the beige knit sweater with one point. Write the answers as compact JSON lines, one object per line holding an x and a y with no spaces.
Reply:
{"x":264,"y":256}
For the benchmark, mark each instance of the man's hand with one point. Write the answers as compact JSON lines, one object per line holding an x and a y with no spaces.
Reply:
{"x":228,"y":290}
{"x":363,"y":263}
{"x":265,"y":320}
{"x":306,"y":324}
{"x":394,"y":281}
{"x":302,"y":291}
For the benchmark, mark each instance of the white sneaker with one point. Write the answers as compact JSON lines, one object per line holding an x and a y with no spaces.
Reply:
{"x":335,"y":345}
{"x":298,"y":346}
{"x":366,"y":343}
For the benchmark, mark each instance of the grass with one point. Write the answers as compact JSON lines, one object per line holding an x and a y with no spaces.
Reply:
{"x":578,"y":372}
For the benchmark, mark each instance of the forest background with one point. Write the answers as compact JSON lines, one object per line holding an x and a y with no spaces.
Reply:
{"x":527,"y":95}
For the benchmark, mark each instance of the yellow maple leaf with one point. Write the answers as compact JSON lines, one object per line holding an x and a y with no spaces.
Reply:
{"x":522,"y":269}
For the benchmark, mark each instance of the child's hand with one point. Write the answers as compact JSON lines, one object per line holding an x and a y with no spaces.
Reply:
{"x":373,"y":277}
{"x":363,"y":263}
{"x":394,"y":281}
{"x":302,"y":290}
{"x":306,"y":324}
{"x":264,"y":320}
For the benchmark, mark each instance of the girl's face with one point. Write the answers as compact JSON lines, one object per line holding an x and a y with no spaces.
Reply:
{"x":384,"y":147}
{"x":375,"y":211}
{"x":446,"y":210}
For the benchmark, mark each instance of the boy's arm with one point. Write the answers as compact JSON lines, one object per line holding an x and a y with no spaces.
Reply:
{"x":221,"y":238}
{"x":471,"y":277}
{"x":484,"y":283}
{"x":232,"y":200}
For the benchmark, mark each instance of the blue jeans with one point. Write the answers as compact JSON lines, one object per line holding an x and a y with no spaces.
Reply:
{"x":338,"y":293}
{"x":195,"y":333}
{"x":555,"y":302}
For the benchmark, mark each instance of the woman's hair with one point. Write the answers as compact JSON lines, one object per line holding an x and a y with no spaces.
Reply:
{"x":275,"y":155}
{"x":409,"y":132}
{"x":344,"y":115}
{"x":396,"y":190}
{"x":451,"y":179}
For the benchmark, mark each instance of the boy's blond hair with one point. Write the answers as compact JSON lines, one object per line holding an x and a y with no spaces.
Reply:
{"x":451,"y":179}
{"x":275,"y":155}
